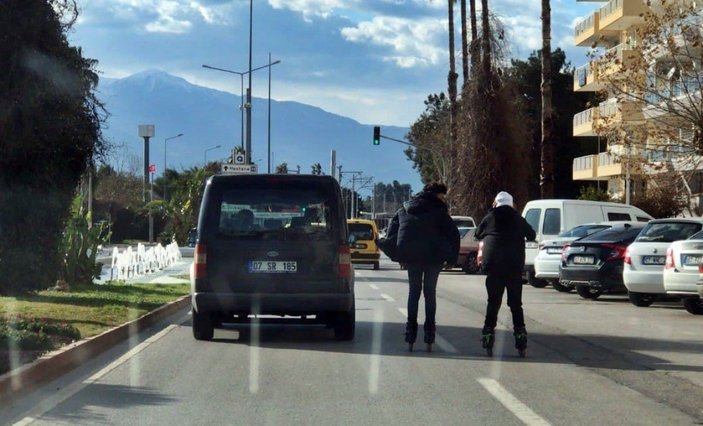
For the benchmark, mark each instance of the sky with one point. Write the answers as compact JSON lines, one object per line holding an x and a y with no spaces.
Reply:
{"x":374,"y":61}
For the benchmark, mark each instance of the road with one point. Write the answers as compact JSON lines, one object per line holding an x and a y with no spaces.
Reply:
{"x":601,"y":362}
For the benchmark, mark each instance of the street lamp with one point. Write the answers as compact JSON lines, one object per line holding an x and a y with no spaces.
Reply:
{"x":166,"y":140}
{"x":205,"y":154}
{"x":246,"y":105}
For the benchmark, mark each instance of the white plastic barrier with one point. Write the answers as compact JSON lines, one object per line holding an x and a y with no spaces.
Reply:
{"x":132,"y":263}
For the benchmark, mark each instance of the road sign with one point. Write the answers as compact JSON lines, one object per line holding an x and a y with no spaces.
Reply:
{"x":152,"y":168}
{"x":238,"y":168}
{"x":239,"y":158}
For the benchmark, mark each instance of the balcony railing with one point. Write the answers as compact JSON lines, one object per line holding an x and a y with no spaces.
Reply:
{"x":584,"y":117}
{"x":610,"y":8}
{"x":584,"y":25}
{"x":583,"y":163}
{"x":606,"y":159}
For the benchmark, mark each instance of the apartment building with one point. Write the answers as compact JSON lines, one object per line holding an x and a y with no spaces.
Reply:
{"x":641,"y":82}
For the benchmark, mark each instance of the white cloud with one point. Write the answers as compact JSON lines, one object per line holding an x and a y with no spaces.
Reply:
{"x":413,"y":42}
{"x":311,"y":8}
{"x":166,"y":24}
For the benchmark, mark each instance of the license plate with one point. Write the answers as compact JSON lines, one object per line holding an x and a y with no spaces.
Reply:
{"x":360,"y":246}
{"x":653,"y":260}
{"x":583,"y":260}
{"x":554,"y":250}
{"x":272,"y":267}
{"x":531,"y":245}
{"x":689,"y":260}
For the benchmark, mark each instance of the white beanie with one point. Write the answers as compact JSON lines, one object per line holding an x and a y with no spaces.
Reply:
{"x":504,"y":199}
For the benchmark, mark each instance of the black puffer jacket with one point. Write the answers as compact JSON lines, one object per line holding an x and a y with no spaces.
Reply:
{"x":425,"y":232}
{"x":503,"y":232}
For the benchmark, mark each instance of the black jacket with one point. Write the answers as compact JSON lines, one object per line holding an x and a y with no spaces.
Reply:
{"x":425,"y":232}
{"x":503,"y":232}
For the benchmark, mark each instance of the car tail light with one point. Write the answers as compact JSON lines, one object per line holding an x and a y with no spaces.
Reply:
{"x":628,"y":257}
{"x":564,"y":248}
{"x":200,"y":261}
{"x":617,"y":252}
{"x":670,"y":259}
{"x":345,"y":264}
{"x":700,"y":268}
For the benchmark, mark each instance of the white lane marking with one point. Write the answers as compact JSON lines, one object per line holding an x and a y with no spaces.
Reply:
{"x":51,"y":402}
{"x":254,"y":356}
{"x":374,"y":286}
{"x":387,"y":297}
{"x":439,"y":340}
{"x":375,"y":364}
{"x":520,"y":410}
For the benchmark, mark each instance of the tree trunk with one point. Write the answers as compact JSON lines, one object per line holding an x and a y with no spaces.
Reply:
{"x":474,"y":36}
{"x":464,"y":43}
{"x":546,"y":146}
{"x":486,"y":38}
{"x":452,"y":79}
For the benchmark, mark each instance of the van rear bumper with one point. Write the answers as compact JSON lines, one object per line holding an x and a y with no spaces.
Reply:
{"x":272,"y":304}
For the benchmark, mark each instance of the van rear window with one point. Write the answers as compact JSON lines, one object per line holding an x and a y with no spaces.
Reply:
{"x":274,"y":213}
{"x":552,"y":222}
{"x":618,"y":216}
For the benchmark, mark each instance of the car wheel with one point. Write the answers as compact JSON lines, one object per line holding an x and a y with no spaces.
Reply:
{"x":471,"y":264}
{"x":693,"y":306}
{"x":561,"y":288}
{"x":376,"y":266}
{"x":588,"y":292}
{"x":535,"y":282}
{"x":345,"y":324}
{"x":203,"y":326}
{"x":641,"y":299}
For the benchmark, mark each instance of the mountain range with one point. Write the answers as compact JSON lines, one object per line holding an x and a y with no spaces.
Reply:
{"x":301,"y":135}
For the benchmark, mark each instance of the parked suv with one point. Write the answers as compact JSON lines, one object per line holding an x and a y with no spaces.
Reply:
{"x":272,"y":245}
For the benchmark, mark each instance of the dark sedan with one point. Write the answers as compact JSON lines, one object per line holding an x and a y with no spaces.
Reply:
{"x":594,"y":264}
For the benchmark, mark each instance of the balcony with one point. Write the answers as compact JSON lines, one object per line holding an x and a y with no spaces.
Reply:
{"x":586,"y":78}
{"x":588,"y":31}
{"x":585,"y":122}
{"x":615,"y":59}
{"x":619,"y":15}
{"x":608,"y":166}
{"x":585,"y":168}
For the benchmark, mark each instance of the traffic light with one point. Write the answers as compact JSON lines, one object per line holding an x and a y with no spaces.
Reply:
{"x":376,"y":135}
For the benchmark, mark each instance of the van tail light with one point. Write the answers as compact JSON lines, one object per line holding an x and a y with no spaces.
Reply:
{"x":628,"y":257}
{"x":670,"y":259}
{"x":200,"y":261}
{"x":617,"y":252}
{"x":345,"y":264}
{"x":700,"y":268}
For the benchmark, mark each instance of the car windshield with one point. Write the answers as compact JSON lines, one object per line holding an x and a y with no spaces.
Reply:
{"x":668,"y":232}
{"x":582,"y":231}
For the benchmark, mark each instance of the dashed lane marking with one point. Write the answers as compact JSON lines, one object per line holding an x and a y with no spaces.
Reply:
{"x":514,"y":405}
{"x":374,"y":286}
{"x":387,"y":297}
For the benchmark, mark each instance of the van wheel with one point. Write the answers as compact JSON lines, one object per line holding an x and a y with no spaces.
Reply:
{"x":203,"y":326}
{"x":345,"y":324}
{"x":376,"y":266}
{"x":641,"y":299}
{"x":693,"y":306}
{"x":471,"y":264}
{"x":561,"y":288}
{"x":535,"y":282}
{"x":588,"y":292}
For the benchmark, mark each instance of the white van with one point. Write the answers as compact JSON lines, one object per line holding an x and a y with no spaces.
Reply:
{"x":551,"y":217}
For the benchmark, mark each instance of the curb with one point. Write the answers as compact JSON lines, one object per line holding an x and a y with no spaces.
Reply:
{"x":27,"y":378}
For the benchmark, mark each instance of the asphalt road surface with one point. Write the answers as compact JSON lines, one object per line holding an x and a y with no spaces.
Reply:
{"x":601,"y":362}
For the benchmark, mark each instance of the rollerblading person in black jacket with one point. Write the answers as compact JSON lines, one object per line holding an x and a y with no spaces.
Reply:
{"x":503,"y":232}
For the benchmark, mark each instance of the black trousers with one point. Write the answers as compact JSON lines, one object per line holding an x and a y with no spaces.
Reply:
{"x":422,"y":279}
{"x":496,"y":284}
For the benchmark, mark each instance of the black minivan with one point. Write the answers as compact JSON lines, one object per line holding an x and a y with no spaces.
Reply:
{"x":272,"y":245}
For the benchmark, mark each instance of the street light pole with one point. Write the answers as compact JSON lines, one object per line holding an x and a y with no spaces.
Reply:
{"x":268,"y":132}
{"x":205,"y":154}
{"x":247,"y":154}
{"x":164,"y":175}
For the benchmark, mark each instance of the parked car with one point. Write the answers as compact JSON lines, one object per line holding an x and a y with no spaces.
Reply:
{"x":364,"y":250}
{"x":549,"y":218}
{"x":646,"y":257}
{"x":192,"y":237}
{"x":468,"y":251}
{"x":593,"y":264}
{"x":682,"y":271}
{"x":548,"y":259}
{"x":272,"y":245}
{"x":464,"y":221}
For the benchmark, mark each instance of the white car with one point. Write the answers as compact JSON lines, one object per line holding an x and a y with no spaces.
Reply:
{"x":646,"y":256}
{"x":682,"y":272}
{"x":549,"y":256}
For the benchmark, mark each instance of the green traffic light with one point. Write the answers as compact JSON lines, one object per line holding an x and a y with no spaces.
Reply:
{"x":377,"y":135}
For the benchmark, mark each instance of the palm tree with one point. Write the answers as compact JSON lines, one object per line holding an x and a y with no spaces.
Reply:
{"x":452,"y":78}
{"x":464,"y":43}
{"x":546,"y":144}
{"x":474,"y":35}
{"x":486,"y":38}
